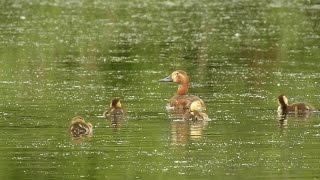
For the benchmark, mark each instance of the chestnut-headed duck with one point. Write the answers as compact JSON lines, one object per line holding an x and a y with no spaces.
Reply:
{"x":296,"y":108}
{"x":192,"y":107}
{"x":79,"y":128}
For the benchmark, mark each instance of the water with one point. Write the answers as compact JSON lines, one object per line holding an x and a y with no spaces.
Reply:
{"x":60,"y":59}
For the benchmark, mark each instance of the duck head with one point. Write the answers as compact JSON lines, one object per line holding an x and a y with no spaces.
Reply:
{"x":180,"y":77}
{"x":282,"y":100}
{"x":77,"y":119}
{"x":115,"y":103}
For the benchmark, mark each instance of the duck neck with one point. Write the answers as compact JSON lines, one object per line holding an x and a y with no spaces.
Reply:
{"x":283,"y":107}
{"x":182,"y":89}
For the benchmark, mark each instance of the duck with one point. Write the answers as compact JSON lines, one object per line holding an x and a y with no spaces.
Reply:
{"x":297,"y":108}
{"x":190,"y":106}
{"x":115,"y":109}
{"x":115,"y":114}
{"x":79,"y":128}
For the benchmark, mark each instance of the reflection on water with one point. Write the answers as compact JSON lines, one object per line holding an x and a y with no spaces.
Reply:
{"x":80,"y":140}
{"x":298,"y":116}
{"x":116,"y":122}
{"x":283,"y":123}
{"x":196,"y":129}
{"x":182,"y":131}
{"x":288,"y":119}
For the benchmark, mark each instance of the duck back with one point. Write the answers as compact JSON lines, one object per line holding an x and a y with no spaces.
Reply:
{"x":79,"y":128}
{"x":181,"y":103}
{"x":299,"y":107}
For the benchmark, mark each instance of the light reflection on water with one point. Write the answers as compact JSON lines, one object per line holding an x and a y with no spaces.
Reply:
{"x":64,"y":58}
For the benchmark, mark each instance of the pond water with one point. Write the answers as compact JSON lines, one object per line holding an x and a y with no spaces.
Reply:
{"x":60,"y":59}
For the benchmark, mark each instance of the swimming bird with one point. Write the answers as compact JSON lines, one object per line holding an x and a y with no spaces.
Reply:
{"x":115,"y":114}
{"x":115,"y":109}
{"x":79,"y":128}
{"x":190,"y":106}
{"x":296,"y":108}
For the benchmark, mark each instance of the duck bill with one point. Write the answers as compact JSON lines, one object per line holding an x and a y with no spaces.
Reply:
{"x":166,"y":79}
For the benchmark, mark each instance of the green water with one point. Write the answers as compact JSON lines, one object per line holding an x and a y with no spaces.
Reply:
{"x":59,"y":59}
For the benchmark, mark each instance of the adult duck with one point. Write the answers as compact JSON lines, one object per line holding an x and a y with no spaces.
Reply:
{"x":79,"y":128}
{"x":190,"y":106}
{"x":285,"y":108}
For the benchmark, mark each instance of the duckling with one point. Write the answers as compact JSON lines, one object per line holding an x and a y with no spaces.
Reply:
{"x":196,"y":110}
{"x":190,"y":105}
{"x":297,"y":108}
{"x":115,"y":109}
{"x":79,"y":128}
{"x":115,"y":114}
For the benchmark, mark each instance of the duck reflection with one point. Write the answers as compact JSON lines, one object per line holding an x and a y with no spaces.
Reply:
{"x":182,"y":131}
{"x":78,"y":128}
{"x":283,"y":118}
{"x":115,"y":114}
{"x":116,"y":123}
{"x":283,"y":121}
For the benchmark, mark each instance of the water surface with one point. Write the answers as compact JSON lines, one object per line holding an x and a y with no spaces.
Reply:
{"x":64,"y":58}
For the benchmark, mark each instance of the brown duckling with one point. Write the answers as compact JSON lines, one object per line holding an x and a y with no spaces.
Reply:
{"x":79,"y":128}
{"x":115,"y":109}
{"x":196,"y":110}
{"x":115,"y":114}
{"x":297,"y":108}
{"x":182,"y":103}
